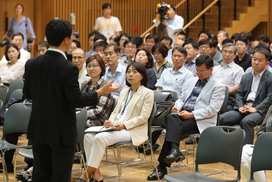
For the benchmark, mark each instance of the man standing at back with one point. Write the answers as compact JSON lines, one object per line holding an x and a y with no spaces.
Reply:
{"x":107,"y":25}
{"x":51,"y":83}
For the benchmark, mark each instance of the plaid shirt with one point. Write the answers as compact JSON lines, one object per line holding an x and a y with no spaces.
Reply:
{"x":101,"y":112}
{"x":190,"y":102}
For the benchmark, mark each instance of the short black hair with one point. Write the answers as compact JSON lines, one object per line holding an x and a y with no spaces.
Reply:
{"x":235,"y":36}
{"x":138,"y":41}
{"x":141,"y":69}
{"x":17,"y":34}
{"x":77,"y":43}
{"x":173,"y":7}
{"x":167,"y":38}
{"x":99,"y":36}
{"x":214,"y":42}
{"x":14,"y":46}
{"x":264,"y":38}
{"x":42,"y":44}
{"x":150,"y":62}
{"x":182,"y":50}
{"x":227,"y":40}
{"x":57,"y":30}
{"x":100,"y":44}
{"x":115,"y":48}
{"x":208,"y":33}
{"x":192,"y":42}
{"x":263,"y":50}
{"x":123,"y":34}
{"x":106,"y":5}
{"x":75,"y":33}
{"x":153,"y":36}
{"x":128,"y":41}
{"x":181,"y":32}
{"x":204,"y":59}
{"x":92,"y":33}
{"x":248,"y":35}
{"x":242,"y":39}
{"x":161,"y":48}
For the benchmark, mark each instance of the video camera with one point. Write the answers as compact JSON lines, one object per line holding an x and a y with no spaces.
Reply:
{"x":4,"y":42}
{"x":162,"y":10}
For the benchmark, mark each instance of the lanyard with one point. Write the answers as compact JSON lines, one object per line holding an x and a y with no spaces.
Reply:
{"x":126,"y":102}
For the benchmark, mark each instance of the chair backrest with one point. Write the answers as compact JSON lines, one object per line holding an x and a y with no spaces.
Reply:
{"x":261,"y":158}
{"x":3,"y":92}
{"x":1,"y":104}
{"x":17,"y":94}
{"x":81,"y":117}
{"x":220,"y":144}
{"x":14,"y":85}
{"x":17,"y":118}
{"x":225,"y":102}
{"x":165,"y":95}
{"x":151,"y":118}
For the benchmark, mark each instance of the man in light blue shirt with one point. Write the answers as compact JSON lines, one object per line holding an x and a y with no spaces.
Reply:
{"x":192,"y":53}
{"x":115,"y":70}
{"x":173,"y":22}
{"x":174,"y":78}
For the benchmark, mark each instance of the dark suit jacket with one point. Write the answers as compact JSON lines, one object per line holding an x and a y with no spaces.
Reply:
{"x":51,"y":83}
{"x":264,"y":93}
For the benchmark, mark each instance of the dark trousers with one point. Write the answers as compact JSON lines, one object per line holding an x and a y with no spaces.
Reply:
{"x":246,"y":121}
{"x":176,"y":130}
{"x":53,"y":163}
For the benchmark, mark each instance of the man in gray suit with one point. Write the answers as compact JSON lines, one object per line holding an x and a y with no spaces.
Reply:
{"x":253,"y":98}
{"x":196,"y":109}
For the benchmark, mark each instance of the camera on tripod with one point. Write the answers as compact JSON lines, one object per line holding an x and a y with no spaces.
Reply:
{"x":28,"y":47}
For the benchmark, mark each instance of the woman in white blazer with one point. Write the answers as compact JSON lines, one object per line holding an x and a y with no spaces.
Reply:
{"x":129,"y":117}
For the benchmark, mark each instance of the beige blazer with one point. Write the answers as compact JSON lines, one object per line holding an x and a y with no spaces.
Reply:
{"x":139,"y":110}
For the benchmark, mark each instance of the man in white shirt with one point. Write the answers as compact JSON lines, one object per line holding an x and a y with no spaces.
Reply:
{"x":172,"y":23}
{"x":108,"y":25}
{"x":78,"y":59}
{"x":18,"y":39}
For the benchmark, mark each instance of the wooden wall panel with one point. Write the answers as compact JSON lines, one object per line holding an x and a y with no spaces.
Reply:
{"x":260,"y":29}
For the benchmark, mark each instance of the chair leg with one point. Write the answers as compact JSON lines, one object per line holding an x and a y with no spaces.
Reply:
{"x":119,"y":160}
{"x":15,"y":165}
{"x":5,"y":170}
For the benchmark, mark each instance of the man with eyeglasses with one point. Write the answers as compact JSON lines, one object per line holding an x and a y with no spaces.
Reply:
{"x":196,"y":109}
{"x":229,"y":73}
{"x":253,"y":97}
{"x":78,"y":59}
{"x":130,"y":49}
{"x":205,"y":49}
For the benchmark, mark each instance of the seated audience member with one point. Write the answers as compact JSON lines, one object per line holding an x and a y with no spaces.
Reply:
{"x":78,"y":59}
{"x":221,"y":36}
{"x":229,"y":73}
{"x":180,"y":35}
{"x":160,"y":52}
{"x":99,"y":37}
{"x":174,"y":78}
{"x":115,"y":70}
{"x":195,"y":110}
{"x":75,"y":35}
{"x":227,"y":40}
{"x":130,"y":50}
{"x":205,"y":48}
{"x":192,"y":49}
{"x":144,"y":57}
{"x":268,"y":67}
{"x":242,"y":59}
{"x":91,"y":36}
{"x":204,"y":35}
{"x":167,"y":41}
{"x":138,"y":41}
{"x":75,"y":44}
{"x":112,"y":39}
{"x":18,"y":40}
{"x":249,"y":37}
{"x":215,"y":53}
{"x":265,"y":40}
{"x":12,"y":69}
{"x":178,"y":43}
{"x":253,"y":98}
{"x":235,"y":36}
{"x":150,"y":41}
{"x":99,"y":49}
{"x":42,"y":47}
{"x":99,"y":113}
{"x":130,"y":118}
{"x":122,"y":38}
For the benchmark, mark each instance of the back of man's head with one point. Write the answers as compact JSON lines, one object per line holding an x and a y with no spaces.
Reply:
{"x":57,"y":30}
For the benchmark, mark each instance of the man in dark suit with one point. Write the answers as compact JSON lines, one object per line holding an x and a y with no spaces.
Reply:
{"x":253,"y":97}
{"x":51,"y":83}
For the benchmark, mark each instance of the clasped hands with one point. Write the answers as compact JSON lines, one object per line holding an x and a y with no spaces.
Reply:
{"x":247,"y":109}
{"x":182,"y":114}
{"x":119,"y":126}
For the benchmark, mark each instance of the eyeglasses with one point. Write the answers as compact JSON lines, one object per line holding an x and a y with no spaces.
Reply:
{"x":77,"y":57}
{"x":90,"y":66}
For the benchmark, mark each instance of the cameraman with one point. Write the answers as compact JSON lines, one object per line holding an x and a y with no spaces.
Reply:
{"x":172,"y":22}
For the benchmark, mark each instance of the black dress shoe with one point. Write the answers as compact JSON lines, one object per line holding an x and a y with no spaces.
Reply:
{"x":154,"y":176}
{"x":94,"y":180}
{"x":80,"y":180}
{"x":175,"y":155}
